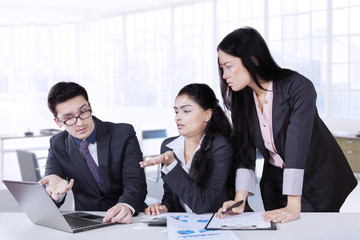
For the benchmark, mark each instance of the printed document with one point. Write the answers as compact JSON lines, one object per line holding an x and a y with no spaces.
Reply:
{"x":192,"y":226}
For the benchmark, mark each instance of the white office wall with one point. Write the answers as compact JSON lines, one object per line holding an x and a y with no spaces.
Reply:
{"x":134,"y":63}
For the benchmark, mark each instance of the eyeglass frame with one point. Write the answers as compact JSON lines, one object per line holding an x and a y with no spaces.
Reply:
{"x":76,"y":118}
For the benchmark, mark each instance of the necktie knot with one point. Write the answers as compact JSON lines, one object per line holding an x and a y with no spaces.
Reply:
{"x":84,"y":144}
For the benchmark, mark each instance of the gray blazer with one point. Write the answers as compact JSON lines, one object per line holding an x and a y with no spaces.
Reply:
{"x":119,"y":155}
{"x":304,"y":142}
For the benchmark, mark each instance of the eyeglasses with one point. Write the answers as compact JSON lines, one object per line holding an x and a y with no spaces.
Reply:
{"x":73,"y":120}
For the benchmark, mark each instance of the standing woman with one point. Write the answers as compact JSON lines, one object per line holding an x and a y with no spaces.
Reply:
{"x":196,"y":164}
{"x":274,"y":110}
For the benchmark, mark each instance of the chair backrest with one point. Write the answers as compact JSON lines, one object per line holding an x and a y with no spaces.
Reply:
{"x":158,"y":133}
{"x":29,"y":166}
{"x":151,"y":141}
{"x":150,"y":146}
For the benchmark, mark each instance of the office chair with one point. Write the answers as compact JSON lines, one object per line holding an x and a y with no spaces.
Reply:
{"x":151,"y":143}
{"x":29,"y":166}
{"x":30,"y":171}
{"x":151,"y":134}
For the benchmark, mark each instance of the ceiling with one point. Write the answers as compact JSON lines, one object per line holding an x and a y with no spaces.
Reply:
{"x":15,"y":12}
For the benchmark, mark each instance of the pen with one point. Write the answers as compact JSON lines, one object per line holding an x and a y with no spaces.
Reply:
{"x":237,"y":204}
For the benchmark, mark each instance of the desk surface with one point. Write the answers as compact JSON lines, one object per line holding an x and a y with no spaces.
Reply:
{"x":310,"y":226}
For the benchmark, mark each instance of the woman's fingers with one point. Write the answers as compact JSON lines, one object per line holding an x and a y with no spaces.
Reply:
{"x":152,"y":161}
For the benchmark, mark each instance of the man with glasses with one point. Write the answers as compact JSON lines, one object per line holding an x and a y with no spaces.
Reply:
{"x":98,"y":160}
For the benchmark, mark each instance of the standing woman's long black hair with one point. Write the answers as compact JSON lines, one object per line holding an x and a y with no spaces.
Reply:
{"x":247,"y":44}
{"x":203,"y":95}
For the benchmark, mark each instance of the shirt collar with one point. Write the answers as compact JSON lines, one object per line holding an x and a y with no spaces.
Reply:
{"x":268,"y":96}
{"x":177,"y":143}
{"x":177,"y":146}
{"x":91,"y":139}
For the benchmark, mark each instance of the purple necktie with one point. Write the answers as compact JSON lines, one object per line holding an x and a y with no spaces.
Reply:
{"x":94,"y":169}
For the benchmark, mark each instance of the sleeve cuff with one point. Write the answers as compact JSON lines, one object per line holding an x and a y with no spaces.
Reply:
{"x":60,"y":198}
{"x":131,"y":208}
{"x":167,"y":169}
{"x":293,"y":181}
{"x":245,"y":180}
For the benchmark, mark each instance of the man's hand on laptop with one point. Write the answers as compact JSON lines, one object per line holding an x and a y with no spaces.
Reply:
{"x":119,"y":213}
{"x":56,"y":186}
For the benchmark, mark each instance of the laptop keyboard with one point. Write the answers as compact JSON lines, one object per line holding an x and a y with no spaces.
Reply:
{"x":76,"y":222}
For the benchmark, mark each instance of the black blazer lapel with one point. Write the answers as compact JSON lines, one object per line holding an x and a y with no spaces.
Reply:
{"x":103,"y":144}
{"x":280,"y":108}
{"x":79,"y":162}
{"x":256,"y":132}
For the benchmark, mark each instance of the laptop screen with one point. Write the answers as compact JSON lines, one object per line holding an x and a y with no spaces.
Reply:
{"x":41,"y":209}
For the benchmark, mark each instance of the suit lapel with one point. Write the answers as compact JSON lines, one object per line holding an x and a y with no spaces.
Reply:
{"x":280,"y":108}
{"x":79,"y":162}
{"x":103,"y":144}
{"x":177,"y":152}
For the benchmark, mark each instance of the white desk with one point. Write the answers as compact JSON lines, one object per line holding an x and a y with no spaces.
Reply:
{"x":339,"y":226}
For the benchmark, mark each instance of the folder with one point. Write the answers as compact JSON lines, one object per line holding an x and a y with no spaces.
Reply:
{"x":244,"y":221}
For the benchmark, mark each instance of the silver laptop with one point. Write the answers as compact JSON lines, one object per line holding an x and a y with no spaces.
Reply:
{"x":41,"y":209}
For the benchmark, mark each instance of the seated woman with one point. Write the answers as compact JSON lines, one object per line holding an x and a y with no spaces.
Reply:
{"x":197,"y":164}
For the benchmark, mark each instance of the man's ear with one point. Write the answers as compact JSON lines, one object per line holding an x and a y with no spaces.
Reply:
{"x":255,"y":60}
{"x":57,"y":122}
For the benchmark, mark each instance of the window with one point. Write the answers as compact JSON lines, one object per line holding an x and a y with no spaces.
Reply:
{"x":142,"y":59}
{"x":345,"y":61}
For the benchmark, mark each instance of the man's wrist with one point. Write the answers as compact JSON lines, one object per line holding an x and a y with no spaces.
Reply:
{"x":60,"y":198}
{"x":130,"y":207}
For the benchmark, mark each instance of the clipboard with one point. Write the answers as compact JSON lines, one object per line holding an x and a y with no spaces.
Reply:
{"x":244,"y":221}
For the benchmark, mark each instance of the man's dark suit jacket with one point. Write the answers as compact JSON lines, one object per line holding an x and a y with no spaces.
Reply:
{"x":304,"y":142}
{"x":119,"y":155}
{"x":217,"y":188}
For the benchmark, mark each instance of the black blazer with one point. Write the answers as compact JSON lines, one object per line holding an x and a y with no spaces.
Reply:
{"x":119,"y":155}
{"x":304,"y":142}
{"x":211,"y":195}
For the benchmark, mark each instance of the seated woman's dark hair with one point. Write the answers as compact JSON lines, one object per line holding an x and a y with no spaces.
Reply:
{"x":203,"y":95}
